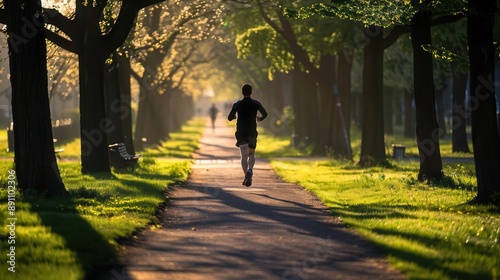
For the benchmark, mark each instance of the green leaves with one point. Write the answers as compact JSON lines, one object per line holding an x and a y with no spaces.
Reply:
{"x":444,"y":54}
{"x":381,"y":13}
{"x":263,"y":41}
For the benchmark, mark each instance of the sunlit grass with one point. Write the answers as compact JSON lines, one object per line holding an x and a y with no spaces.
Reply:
{"x":445,"y":145}
{"x":4,"y":145}
{"x":68,"y":238}
{"x":270,"y":146}
{"x":428,"y":230}
{"x":280,"y":146}
{"x":180,"y":144}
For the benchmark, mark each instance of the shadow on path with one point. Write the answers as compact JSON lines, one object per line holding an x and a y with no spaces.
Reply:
{"x":215,"y":228}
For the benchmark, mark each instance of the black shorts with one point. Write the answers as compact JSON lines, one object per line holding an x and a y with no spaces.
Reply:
{"x":246,"y":138}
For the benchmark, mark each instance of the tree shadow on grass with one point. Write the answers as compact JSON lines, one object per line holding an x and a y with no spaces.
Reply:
{"x":442,"y":264}
{"x":445,"y":265}
{"x":89,"y":247}
{"x":92,"y":251}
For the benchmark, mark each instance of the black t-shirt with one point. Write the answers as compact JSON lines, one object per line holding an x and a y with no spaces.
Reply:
{"x":247,"y":113}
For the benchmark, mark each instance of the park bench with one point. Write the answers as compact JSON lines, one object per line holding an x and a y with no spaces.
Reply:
{"x":120,"y":158}
{"x":57,"y":152}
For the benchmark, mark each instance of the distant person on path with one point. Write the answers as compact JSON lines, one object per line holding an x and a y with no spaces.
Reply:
{"x":246,"y":129}
{"x":213,"y":115}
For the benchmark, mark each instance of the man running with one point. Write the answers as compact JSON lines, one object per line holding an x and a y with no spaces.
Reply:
{"x":246,"y":129}
{"x":213,"y":111}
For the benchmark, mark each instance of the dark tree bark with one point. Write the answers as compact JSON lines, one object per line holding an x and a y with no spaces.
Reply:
{"x":153,"y":118}
{"x":118,"y":101}
{"x":125,"y":72}
{"x":485,"y":136}
{"x":35,"y":161}
{"x":399,"y":112}
{"x":324,"y":138}
{"x":94,"y":124}
{"x":340,"y":132}
{"x":372,"y":138}
{"x":440,"y":113}
{"x":304,"y":95}
{"x":93,"y":48}
{"x":388,"y":110}
{"x":344,"y":72}
{"x":309,"y":102}
{"x":459,"y":141}
{"x":409,"y":129}
{"x":425,"y":100}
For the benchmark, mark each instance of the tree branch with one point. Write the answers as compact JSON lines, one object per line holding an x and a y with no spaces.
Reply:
{"x":55,"y":18}
{"x":61,"y":41}
{"x":268,"y":20}
{"x":286,"y":32}
{"x":101,"y":5}
{"x":136,"y":76}
{"x":121,"y":29}
{"x":397,"y":31}
{"x":447,"y":19}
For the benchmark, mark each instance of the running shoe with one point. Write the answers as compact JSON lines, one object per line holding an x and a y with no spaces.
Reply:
{"x":248,"y":179}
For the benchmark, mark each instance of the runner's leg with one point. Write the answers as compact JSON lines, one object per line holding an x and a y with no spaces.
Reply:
{"x":244,"y":157}
{"x":251,"y":158}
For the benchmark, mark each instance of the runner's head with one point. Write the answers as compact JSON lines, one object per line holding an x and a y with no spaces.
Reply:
{"x":246,"y":90}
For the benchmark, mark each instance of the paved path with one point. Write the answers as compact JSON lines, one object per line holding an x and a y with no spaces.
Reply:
{"x":215,"y":228}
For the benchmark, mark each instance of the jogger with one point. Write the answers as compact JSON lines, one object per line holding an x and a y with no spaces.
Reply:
{"x":246,"y":129}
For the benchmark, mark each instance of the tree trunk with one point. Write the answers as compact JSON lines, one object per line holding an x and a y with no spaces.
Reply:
{"x":153,"y":112}
{"x":153,"y":117}
{"x":118,"y":101}
{"x":459,"y":141}
{"x":140,"y":119}
{"x":124,"y":72}
{"x":425,"y":101}
{"x":35,"y":161}
{"x":113,"y":101}
{"x":399,"y":113}
{"x":94,"y":125}
{"x":440,"y":113}
{"x":409,"y":130}
{"x":388,"y":110}
{"x":372,"y":138}
{"x":326,"y":110}
{"x":485,"y":136}
{"x":342,"y":124}
{"x":93,"y":121}
{"x":304,"y":97}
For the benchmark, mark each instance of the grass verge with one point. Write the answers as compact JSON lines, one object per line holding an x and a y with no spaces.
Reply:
{"x":67,"y":238}
{"x":428,"y":230}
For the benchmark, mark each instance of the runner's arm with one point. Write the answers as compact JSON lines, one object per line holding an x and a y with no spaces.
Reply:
{"x":232,"y":114}
{"x":263,"y":112}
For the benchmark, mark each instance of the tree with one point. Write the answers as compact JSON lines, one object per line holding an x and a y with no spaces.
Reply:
{"x":81,"y":33}
{"x":485,"y":134}
{"x":425,"y":100}
{"x":170,"y":34}
{"x":93,"y":49}
{"x":451,"y":50}
{"x":294,"y":45}
{"x":376,"y":15}
{"x":35,"y":161}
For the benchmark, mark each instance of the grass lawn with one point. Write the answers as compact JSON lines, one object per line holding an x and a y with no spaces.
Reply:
{"x":67,"y":238}
{"x":428,"y":230}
